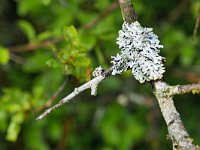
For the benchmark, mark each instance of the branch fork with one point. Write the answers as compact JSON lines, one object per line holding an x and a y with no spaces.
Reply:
{"x":164,"y":94}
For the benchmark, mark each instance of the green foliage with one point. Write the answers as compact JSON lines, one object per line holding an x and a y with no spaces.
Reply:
{"x":14,"y":104}
{"x":73,"y":56}
{"x":28,"y":29}
{"x":59,"y":46}
{"x":4,"y":55}
{"x":120,"y":129}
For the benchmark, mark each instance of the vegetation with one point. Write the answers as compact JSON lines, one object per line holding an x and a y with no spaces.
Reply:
{"x":48,"y":47}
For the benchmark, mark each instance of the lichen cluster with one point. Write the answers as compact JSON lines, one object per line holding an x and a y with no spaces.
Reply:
{"x":140,"y":52}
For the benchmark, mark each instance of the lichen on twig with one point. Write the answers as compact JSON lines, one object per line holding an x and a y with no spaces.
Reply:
{"x":92,"y":84}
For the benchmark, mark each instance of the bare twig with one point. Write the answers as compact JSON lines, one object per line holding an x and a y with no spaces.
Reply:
{"x":177,"y":11}
{"x":196,"y":25}
{"x":44,"y":44}
{"x":182,"y":89}
{"x":33,"y":46}
{"x":54,"y":96}
{"x":92,"y":84}
{"x":16,"y":58}
{"x":104,"y":14}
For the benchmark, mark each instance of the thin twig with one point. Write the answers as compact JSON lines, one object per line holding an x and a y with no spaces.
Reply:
{"x":54,"y":96}
{"x":92,"y":84}
{"x":16,"y":58}
{"x":177,"y":11}
{"x":196,"y":25}
{"x":182,"y":89}
{"x":44,"y":44}
{"x":104,"y":14}
{"x":33,"y":46}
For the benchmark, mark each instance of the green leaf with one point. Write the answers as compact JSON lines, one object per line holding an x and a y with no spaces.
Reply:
{"x":4,"y":55}
{"x":194,"y":8}
{"x":88,"y":41}
{"x":69,"y":69}
{"x":82,"y":61}
{"x":28,"y":29}
{"x":70,"y":33}
{"x":44,"y":35}
{"x":14,"y":127}
{"x":52,"y":63}
{"x":27,"y":6}
{"x":63,"y":56}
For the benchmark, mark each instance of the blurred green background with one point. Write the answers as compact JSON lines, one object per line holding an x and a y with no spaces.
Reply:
{"x":49,"y":47}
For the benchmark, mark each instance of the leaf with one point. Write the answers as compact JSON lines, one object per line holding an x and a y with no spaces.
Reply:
{"x":52,"y":63}
{"x":63,"y":56}
{"x":28,"y":29}
{"x":14,"y":127}
{"x":88,"y":41}
{"x":4,"y":55}
{"x":34,"y":7}
{"x":44,"y":35}
{"x":70,"y":33}
{"x":69,"y":69}
{"x":82,"y":61}
{"x":194,"y":8}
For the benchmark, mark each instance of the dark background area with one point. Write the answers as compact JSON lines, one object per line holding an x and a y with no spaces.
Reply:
{"x":50,"y":44}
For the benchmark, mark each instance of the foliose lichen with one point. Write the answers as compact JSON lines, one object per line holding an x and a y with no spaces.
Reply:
{"x":140,"y":52}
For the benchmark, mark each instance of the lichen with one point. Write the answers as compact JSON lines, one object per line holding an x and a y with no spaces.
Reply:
{"x":139,"y":51}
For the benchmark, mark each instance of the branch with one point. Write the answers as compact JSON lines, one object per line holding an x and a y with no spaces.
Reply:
{"x":17,"y":59}
{"x":104,"y":14}
{"x":127,"y":10}
{"x":54,"y":96}
{"x":177,"y":11}
{"x":33,"y":46}
{"x":44,"y":44}
{"x":164,"y":94}
{"x":92,"y":84}
{"x":177,"y":132}
{"x":196,"y":24}
{"x":182,"y":89}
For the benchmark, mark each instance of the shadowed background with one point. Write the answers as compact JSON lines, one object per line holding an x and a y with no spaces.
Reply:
{"x":49,"y":47}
